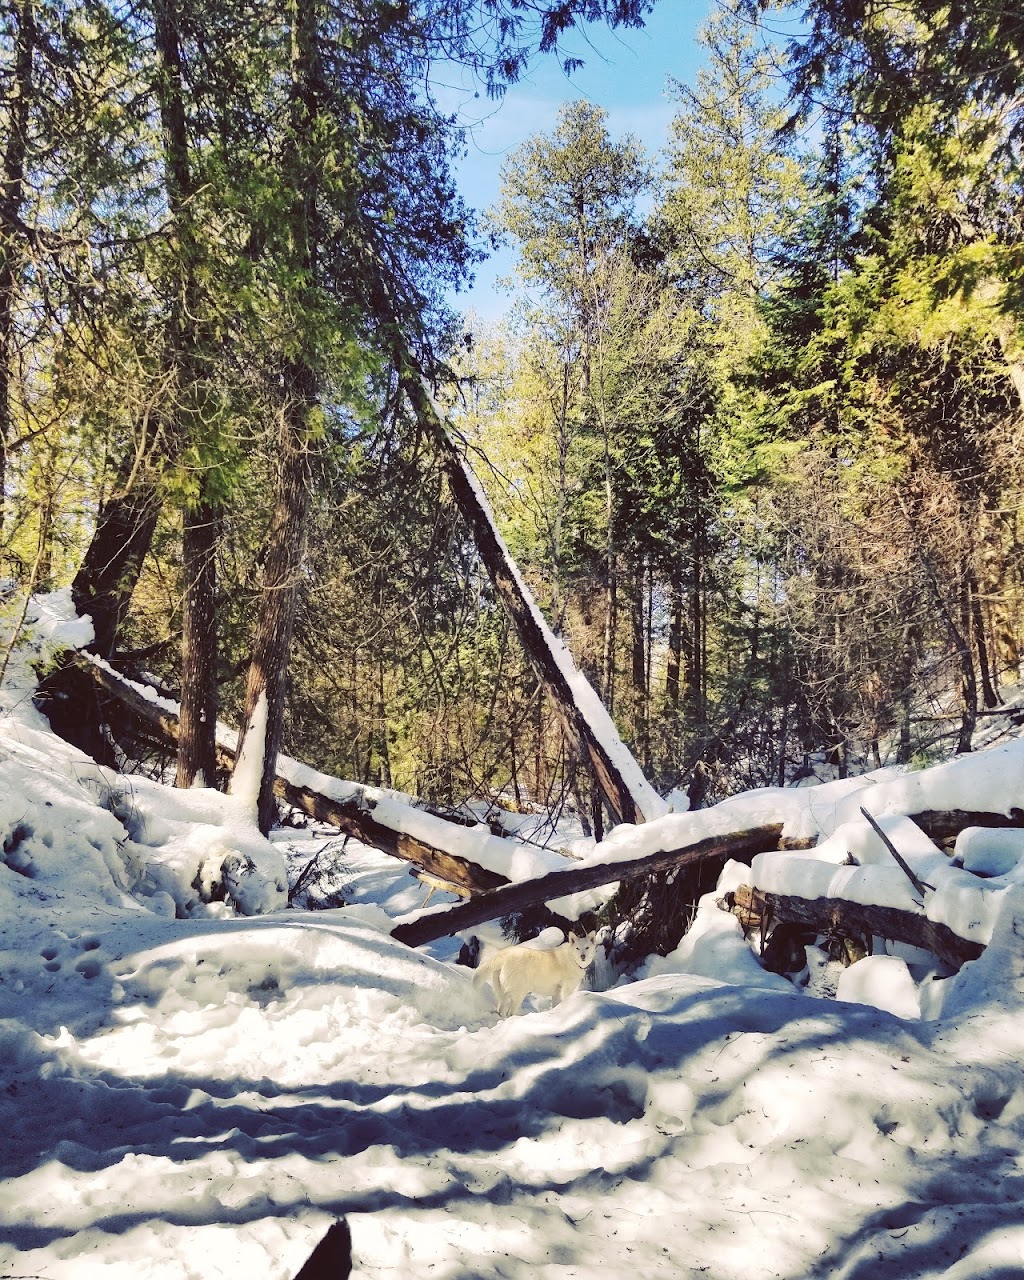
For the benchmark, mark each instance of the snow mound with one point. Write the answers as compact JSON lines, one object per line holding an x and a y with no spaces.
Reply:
{"x":67,"y":824}
{"x":884,"y":982}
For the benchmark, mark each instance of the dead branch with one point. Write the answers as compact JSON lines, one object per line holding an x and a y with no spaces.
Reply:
{"x":919,"y":884}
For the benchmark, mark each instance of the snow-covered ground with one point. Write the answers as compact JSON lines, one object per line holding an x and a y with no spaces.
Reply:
{"x":191,"y":1092}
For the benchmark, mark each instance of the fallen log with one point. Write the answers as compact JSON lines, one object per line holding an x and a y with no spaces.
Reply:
{"x":353,"y":815}
{"x":944,"y":825}
{"x":426,"y":926}
{"x":844,"y":919}
{"x":584,"y":718}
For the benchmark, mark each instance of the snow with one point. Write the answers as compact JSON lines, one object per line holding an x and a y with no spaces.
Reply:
{"x":53,"y":619}
{"x":990,"y":852}
{"x":883,"y":982}
{"x":247,"y":775}
{"x":189,"y":1092}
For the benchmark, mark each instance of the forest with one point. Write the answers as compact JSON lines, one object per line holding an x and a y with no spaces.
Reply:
{"x":682,"y":608}
{"x":751,"y":432}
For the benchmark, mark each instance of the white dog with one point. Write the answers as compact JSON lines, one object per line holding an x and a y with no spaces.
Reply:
{"x":515,"y":972}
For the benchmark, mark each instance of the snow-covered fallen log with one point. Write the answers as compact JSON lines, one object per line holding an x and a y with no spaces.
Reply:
{"x":428,"y":925}
{"x":470,"y":857}
{"x":785,"y":856}
{"x":945,"y":825}
{"x":845,"y":919}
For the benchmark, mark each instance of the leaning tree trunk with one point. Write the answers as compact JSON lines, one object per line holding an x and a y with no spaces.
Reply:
{"x":110,"y":568}
{"x":584,"y":719}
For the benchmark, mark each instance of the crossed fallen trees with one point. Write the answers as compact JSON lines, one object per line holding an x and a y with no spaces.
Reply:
{"x":384,"y":821}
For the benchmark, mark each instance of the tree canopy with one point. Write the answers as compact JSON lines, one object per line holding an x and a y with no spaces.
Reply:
{"x":751,"y":432}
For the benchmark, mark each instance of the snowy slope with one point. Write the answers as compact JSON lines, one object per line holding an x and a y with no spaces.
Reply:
{"x":201,"y":1096}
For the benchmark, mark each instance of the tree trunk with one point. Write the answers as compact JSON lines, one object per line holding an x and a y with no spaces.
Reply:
{"x":380,"y":721}
{"x":780,"y":773}
{"x":968,"y":678}
{"x":851,"y":919}
{"x":988,"y":688}
{"x":695,"y":676}
{"x":113,"y":560}
{"x":260,"y":735}
{"x":907,"y":664}
{"x":965,"y":659}
{"x":638,"y":663}
{"x":675,"y":639}
{"x":557,"y":602}
{"x":12,"y":195}
{"x":611,"y":589}
{"x":196,"y":747}
{"x":197,"y":751}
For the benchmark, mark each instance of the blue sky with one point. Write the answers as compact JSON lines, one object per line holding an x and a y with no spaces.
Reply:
{"x":626,"y":73}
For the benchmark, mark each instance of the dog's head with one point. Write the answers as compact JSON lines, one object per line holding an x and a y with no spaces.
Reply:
{"x":582,"y":949}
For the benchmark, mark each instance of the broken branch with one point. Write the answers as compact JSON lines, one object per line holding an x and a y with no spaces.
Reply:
{"x":919,"y":884}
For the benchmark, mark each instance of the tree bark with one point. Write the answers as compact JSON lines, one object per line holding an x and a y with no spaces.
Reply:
{"x":611,"y":584}
{"x":263,"y":709}
{"x":675,"y":639}
{"x":262,"y":726}
{"x":638,"y":662}
{"x":988,"y":689}
{"x":12,"y":196}
{"x":110,"y":568}
{"x":196,"y":747}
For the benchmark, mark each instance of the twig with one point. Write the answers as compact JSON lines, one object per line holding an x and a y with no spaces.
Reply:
{"x":919,"y":885}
